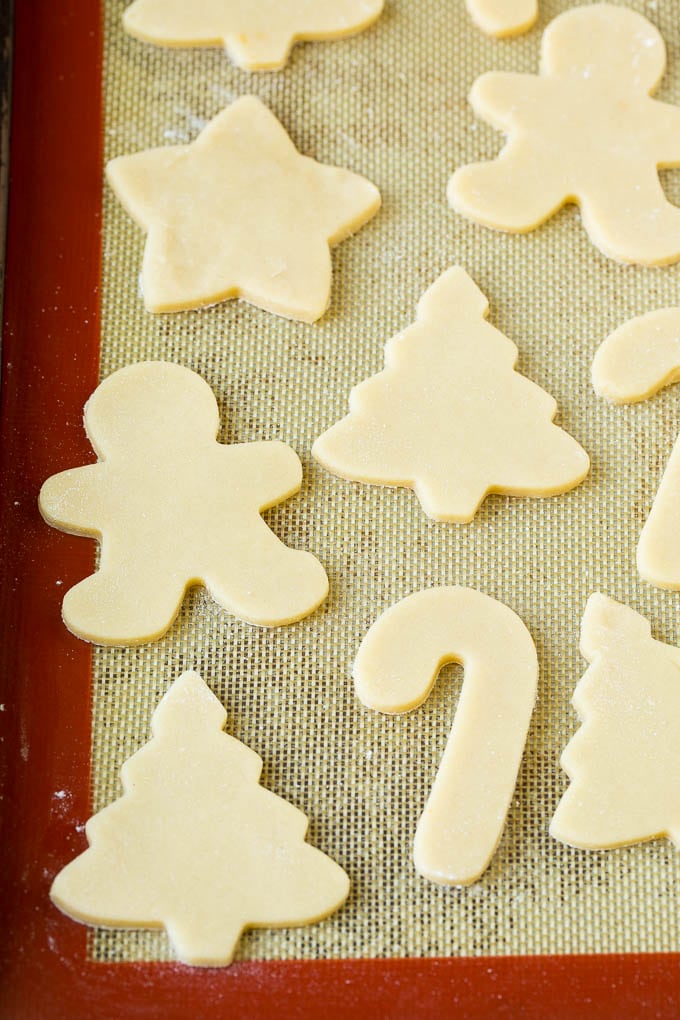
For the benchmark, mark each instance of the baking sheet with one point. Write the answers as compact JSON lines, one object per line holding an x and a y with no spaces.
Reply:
{"x":391,"y":104}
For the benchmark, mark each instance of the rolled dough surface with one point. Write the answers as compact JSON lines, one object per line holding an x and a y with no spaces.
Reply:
{"x":624,"y":761}
{"x":239,"y":213}
{"x":394,"y":671}
{"x":173,"y":508}
{"x":450,"y":417}
{"x":639,"y":358}
{"x":195,"y":845}
{"x":586,"y":130}
{"x":503,"y":17}
{"x":258,"y":34}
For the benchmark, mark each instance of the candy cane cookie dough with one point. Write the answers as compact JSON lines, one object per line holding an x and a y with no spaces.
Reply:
{"x":639,"y":358}
{"x":503,"y":17}
{"x":394,"y":671}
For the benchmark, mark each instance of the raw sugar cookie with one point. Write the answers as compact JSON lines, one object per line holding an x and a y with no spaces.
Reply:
{"x":395,"y":670}
{"x":450,"y":417}
{"x":633,"y":363}
{"x":624,"y":761}
{"x":258,"y":35}
{"x":195,"y":845}
{"x":503,"y":17}
{"x":584,"y":130}
{"x":658,"y":551}
{"x":639,"y":358}
{"x":172,"y":508}
{"x":240,"y":213}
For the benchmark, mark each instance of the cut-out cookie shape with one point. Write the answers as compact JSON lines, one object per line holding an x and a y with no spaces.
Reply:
{"x":503,"y":17}
{"x":639,"y":358}
{"x":172,"y":508}
{"x":658,"y":551}
{"x":395,"y":670}
{"x":633,"y":363}
{"x":584,"y":130}
{"x":624,"y":762}
{"x":257,"y":34}
{"x":450,"y":417}
{"x":195,"y":845}
{"x":240,"y":213}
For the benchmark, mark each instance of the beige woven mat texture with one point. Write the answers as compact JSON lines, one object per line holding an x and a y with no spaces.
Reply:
{"x":391,"y":104}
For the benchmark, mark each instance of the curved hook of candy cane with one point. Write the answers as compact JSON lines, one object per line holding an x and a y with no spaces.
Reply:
{"x":395,"y":670}
{"x":503,"y":17}
{"x":639,"y":358}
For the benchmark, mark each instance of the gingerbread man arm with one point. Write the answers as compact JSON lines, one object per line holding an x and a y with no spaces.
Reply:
{"x":70,"y":499}
{"x":270,"y":471}
{"x":500,"y":98}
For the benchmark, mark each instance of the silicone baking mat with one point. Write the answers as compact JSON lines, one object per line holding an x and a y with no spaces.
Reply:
{"x":391,"y":104}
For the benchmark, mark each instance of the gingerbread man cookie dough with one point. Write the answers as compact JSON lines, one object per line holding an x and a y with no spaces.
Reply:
{"x":173,"y":508}
{"x":240,"y":213}
{"x":584,"y":130}
{"x":258,"y":36}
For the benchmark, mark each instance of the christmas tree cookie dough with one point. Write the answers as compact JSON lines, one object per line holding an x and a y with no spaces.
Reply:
{"x":450,"y":417}
{"x":239,"y":213}
{"x":639,"y":358}
{"x":503,"y":17}
{"x":624,"y":762}
{"x":195,"y":845}
{"x":584,"y":130}
{"x":172,"y":508}
{"x":395,"y":670}
{"x":258,"y":35}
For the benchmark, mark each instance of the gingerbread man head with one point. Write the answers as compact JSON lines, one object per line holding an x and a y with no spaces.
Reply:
{"x":124,"y":408}
{"x":606,"y":43}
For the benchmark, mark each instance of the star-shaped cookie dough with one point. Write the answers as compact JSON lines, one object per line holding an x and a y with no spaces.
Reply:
{"x":240,"y":213}
{"x":257,"y":34}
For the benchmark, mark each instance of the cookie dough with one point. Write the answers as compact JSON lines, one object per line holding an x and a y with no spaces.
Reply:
{"x":658,"y":551}
{"x":395,"y":670}
{"x":503,"y":17}
{"x":449,"y":417}
{"x":624,"y":762}
{"x":584,"y":130}
{"x":239,"y":213}
{"x":173,"y":508}
{"x":195,"y":845}
{"x":639,"y":358}
{"x":258,"y":36}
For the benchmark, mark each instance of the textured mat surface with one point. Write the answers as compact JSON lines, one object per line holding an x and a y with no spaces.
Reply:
{"x":391,"y":104}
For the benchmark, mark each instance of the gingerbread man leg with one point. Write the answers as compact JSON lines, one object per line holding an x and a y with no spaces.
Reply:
{"x":263,"y":581}
{"x":633,"y":221}
{"x":514,"y":192}
{"x":123,"y":605}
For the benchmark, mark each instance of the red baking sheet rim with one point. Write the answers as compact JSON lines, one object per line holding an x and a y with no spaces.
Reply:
{"x":49,"y":367}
